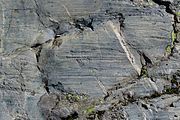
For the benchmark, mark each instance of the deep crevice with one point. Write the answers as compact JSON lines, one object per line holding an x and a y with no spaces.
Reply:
{"x":38,"y":53}
{"x":81,"y":23}
{"x":147,"y":59}
{"x":59,"y":86}
{"x":167,"y":4}
{"x":45,"y":81}
{"x":148,"y":63}
{"x":72,"y":116}
{"x":36,"y":45}
{"x":38,"y":48}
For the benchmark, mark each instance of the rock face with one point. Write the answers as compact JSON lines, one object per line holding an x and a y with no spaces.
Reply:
{"x":89,"y":59}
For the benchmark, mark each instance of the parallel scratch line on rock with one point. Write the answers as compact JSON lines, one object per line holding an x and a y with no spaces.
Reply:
{"x":100,"y":83}
{"x":102,"y":86}
{"x":67,"y":10}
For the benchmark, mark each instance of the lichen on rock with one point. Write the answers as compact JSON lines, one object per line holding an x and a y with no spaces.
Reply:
{"x":81,"y":59}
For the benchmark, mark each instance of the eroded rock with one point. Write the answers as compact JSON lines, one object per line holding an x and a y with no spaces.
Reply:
{"x":99,"y":59}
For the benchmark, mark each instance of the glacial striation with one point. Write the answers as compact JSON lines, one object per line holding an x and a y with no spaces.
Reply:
{"x":89,"y":59}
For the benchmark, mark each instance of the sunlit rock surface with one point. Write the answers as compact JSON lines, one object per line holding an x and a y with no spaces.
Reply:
{"x":89,"y":59}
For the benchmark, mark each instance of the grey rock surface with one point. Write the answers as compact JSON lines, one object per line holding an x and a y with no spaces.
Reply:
{"x":89,"y":59}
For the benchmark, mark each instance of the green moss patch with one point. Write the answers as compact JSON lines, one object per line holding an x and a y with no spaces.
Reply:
{"x":173,"y":37}
{"x":75,"y":97}
{"x":168,"y":49}
{"x":178,"y":13}
{"x":144,"y":72}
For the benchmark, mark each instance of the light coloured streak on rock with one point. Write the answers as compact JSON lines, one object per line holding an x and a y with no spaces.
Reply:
{"x":67,"y":10}
{"x":102,"y":87}
{"x":124,"y":45}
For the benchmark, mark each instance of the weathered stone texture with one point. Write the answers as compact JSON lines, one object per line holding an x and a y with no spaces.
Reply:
{"x":89,"y":59}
